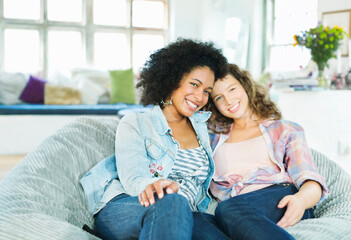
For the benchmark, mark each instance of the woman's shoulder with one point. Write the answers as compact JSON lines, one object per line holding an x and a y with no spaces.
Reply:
{"x":283,"y":125}
{"x":136,"y":118}
{"x":130,"y":117}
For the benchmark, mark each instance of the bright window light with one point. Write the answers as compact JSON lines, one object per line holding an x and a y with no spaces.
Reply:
{"x":64,"y":51}
{"x":65,"y":10}
{"x":291,"y":17}
{"x":111,"y":51}
{"x":289,"y":58}
{"x":21,"y":50}
{"x":232,"y":29}
{"x":22,"y":9}
{"x":143,"y":46}
{"x":148,"y":14}
{"x":110,"y":12}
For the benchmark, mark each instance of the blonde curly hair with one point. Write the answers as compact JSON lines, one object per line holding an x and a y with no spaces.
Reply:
{"x":260,"y":103}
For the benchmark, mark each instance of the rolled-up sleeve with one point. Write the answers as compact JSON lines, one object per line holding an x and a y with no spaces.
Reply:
{"x":299,"y":161}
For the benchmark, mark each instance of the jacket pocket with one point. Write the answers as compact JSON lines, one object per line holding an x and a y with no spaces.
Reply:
{"x":160,"y":160}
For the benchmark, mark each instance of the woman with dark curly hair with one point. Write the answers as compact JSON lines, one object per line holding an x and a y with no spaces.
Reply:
{"x":260,"y":162}
{"x":163,"y":156}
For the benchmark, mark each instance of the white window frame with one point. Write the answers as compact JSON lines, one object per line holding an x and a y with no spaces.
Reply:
{"x":86,"y":27}
{"x":269,"y":38}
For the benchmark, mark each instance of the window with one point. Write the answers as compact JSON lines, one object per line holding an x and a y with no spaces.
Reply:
{"x":289,"y":17}
{"x":44,"y":36}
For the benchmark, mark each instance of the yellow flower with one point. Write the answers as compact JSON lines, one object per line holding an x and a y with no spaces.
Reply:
{"x":296,"y":42}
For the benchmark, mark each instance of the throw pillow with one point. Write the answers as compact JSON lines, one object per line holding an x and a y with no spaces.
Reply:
{"x":99,"y":77}
{"x":60,"y":95}
{"x":33,"y":91}
{"x":89,"y":90}
{"x":11,"y":87}
{"x":122,"y":86}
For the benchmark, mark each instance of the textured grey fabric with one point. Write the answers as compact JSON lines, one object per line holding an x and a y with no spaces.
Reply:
{"x":333,"y":216}
{"x":41,"y":198}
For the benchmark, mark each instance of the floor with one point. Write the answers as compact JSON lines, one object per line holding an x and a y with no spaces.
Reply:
{"x":8,"y":162}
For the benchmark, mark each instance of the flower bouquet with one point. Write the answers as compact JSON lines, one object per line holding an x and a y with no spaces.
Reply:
{"x":322,"y":43}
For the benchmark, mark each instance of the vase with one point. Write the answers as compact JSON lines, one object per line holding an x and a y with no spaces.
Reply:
{"x":322,"y":80}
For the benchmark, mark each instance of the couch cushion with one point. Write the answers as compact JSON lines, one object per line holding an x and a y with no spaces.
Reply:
{"x":11,"y":87}
{"x":33,"y":91}
{"x":41,"y":197}
{"x":122,"y":86}
{"x":333,"y":215}
{"x":61,"y":95}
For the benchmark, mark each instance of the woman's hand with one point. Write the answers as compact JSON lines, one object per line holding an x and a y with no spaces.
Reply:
{"x":295,"y":208}
{"x":146,"y":197}
{"x":307,"y":197}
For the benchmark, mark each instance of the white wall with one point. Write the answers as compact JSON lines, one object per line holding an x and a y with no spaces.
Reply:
{"x":329,"y":6}
{"x":326,"y":122}
{"x":205,"y":20}
{"x":186,"y":19}
{"x":21,"y":134}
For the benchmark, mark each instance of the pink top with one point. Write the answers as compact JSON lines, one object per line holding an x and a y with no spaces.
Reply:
{"x":288,"y":150}
{"x":236,"y":161}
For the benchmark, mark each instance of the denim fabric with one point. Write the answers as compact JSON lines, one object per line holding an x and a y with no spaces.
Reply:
{"x":101,"y":185}
{"x":124,"y":218}
{"x":206,"y":227}
{"x":169,"y":218}
{"x":145,"y":152}
{"x":254,"y":215}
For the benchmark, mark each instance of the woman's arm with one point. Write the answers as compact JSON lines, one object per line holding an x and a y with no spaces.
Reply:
{"x":298,"y":158}
{"x":131,"y":157}
{"x":307,"y":197}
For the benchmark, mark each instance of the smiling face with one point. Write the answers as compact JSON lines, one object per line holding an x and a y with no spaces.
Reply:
{"x":193,"y":92}
{"x":230,"y":98}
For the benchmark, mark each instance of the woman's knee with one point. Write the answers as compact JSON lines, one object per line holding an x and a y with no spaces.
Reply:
{"x":174,"y":201}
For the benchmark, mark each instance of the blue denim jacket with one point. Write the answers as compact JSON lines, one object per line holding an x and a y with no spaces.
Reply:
{"x":145,"y":152}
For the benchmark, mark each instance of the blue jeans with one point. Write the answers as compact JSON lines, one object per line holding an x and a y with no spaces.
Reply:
{"x":169,"y":218}
{"x":254,"y":215}
{"x":206,"y":227}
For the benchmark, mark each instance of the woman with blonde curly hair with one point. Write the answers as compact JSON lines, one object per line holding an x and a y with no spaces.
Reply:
{"x":265,"y":178}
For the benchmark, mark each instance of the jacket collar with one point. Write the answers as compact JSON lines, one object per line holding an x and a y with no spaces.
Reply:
{"x":161,"y":124}
{"x":267,"y":122}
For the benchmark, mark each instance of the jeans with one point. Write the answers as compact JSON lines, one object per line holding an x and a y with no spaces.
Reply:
{"x":124,"y":218}
{"x":254,"y":215}
{"x":169,"y":218}
{"x":206,"y":227}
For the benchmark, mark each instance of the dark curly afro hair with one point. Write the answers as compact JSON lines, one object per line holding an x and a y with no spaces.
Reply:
{"x":162,"y":73}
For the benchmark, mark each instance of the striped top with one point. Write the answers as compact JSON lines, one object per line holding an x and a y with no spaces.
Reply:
{"x":190,"y":170}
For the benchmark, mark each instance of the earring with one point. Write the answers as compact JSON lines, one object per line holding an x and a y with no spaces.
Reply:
{"x":164,"y":104}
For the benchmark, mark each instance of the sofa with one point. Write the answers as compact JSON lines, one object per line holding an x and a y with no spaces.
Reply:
{"x":41,"y":197}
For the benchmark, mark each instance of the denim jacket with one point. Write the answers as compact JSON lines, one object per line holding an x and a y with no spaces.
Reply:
{"x":144,"y":153}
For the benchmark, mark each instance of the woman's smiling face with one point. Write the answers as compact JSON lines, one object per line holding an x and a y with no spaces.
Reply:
{"x":230,"y":98}
{"x":193,"y":92}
